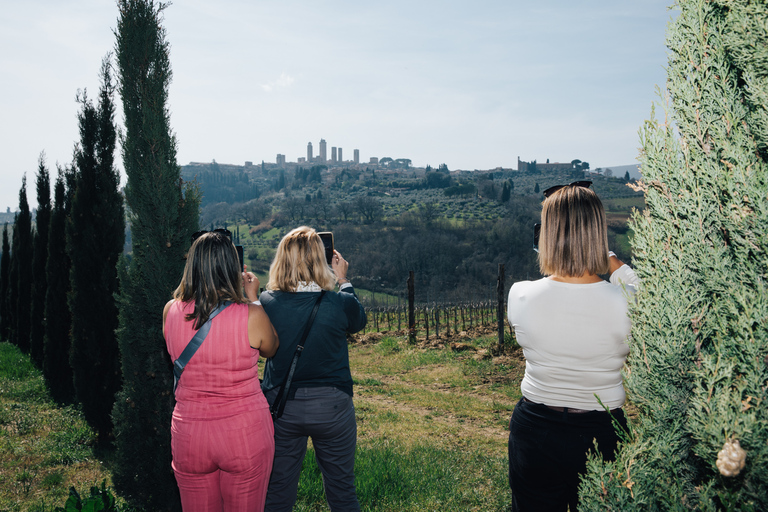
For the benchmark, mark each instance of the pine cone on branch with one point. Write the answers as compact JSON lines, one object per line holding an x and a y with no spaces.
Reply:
{"x":731,"y":459}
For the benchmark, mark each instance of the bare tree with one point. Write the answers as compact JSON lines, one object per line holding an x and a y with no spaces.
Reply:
{"x":370,"y":209}
{"x":345,"y":209}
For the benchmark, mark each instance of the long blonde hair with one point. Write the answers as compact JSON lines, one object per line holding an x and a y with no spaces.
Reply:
{"x":300,"y":258}
{"x":211,"y":275}
{"x":574,"y":234}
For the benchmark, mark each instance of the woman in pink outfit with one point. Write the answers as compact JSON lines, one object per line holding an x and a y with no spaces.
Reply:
{"x":222,"y":434}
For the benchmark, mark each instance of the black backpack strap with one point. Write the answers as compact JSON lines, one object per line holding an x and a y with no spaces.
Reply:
{"x":194,"y":344}
{"x":278,"y":406}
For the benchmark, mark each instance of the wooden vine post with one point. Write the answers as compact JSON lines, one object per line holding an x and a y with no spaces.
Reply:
{"x":500,"y":304}
{"x":411,"y":315}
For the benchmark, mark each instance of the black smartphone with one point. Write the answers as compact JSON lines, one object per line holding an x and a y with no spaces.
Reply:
{"x":536,"y":232}
{"x":327,"y":238}
{"x":241,"y":256}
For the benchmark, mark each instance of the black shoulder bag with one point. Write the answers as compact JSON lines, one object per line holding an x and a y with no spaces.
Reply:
{"x":194,"y":344}
{"x":278,"y":406}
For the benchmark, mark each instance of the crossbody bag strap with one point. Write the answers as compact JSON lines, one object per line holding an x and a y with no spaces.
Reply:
{"x":194,"y":344}
{"x":282,"y":397}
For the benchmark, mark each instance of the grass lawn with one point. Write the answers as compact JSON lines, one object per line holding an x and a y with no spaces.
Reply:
{"x":432,"y":427}
{"x":432,"y":430}
{"x":44,"y":448}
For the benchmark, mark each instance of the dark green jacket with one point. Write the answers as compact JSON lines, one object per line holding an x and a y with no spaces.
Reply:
{"x":325,"y":360}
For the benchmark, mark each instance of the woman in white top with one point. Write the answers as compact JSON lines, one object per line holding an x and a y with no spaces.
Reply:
{"x":573,"y":327}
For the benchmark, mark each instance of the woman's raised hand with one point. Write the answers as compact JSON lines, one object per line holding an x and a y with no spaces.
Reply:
{"x":251,"y":285}
{"x":339,"y":266}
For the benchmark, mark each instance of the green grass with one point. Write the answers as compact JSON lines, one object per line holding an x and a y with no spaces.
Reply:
{"x":44,"y":447}
{"x":432,"y":432}
{"x":624,"y":204}
{"x":379,"y":297}
{"x":418,"y":478}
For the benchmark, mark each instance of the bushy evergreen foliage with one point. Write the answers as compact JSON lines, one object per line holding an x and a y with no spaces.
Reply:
{"x":40,"y":257}
{"x":163,"y":215}
{"x":95,"y":236}
{"x":56,"y":369}
{"x":698,"y":368}
{"x":5,"y":274}
{"x":21,"y":272}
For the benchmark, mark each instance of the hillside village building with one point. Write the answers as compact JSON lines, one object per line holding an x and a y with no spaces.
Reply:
{"x":322,"y":151}
{"x":544,"y":167}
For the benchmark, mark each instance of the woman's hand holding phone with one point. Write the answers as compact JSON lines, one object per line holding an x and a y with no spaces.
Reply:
{"x":251,"y":284}
{"x":339,"y":266}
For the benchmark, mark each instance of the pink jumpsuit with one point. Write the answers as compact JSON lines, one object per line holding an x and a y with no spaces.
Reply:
{"x":222,"y":434}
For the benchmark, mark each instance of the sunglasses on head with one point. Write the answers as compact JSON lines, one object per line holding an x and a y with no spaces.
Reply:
{"x":225,"y":232}
{"x":551,"y":190}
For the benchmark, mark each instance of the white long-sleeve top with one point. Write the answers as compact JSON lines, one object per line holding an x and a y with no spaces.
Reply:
{"x":574,"y":338}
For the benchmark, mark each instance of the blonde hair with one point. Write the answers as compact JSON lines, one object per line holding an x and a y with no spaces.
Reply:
{"x":212,"y":275}
{"x":300,"y":258}
{"x":574,"y":234}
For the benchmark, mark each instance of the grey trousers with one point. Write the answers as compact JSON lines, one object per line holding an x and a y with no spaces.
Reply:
{"x":327,"y":415}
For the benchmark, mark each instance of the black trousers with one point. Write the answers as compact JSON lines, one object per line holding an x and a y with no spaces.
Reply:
{"x":327,"y":415}
{"x":548,"y":451}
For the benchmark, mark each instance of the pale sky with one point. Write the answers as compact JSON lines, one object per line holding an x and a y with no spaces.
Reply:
{"x":473,"y":85}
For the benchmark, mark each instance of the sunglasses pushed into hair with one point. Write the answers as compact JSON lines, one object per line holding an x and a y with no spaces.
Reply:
{"x":197,"y":234}
{"x":551,"y":190}
{"x":227,"y":233}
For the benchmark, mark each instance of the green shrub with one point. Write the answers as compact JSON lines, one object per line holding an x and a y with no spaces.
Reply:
{"x":99,"y":500}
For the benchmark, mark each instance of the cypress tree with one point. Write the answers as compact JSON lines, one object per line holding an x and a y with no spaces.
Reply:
{"x":56,"y":368}
{"x":95,"y":235}
{"x":505,"y":193}
{"x":5,"y":272}
{"x":698,"y":367}
{"x":163,"y":214}
{"x":21,"y":272}
{"x":40,"y":257}
{"x":13,"y":285}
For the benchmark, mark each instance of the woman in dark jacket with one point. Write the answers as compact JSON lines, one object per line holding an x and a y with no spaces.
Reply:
{"x":319,"y":401}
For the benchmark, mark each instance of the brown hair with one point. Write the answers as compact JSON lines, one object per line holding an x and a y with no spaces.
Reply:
{"x":211,"y":275}
{"x":300,"y":257}
{"x":574,"y":234}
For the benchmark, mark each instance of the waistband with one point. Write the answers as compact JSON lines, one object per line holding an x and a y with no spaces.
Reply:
{"x":570,"y":410}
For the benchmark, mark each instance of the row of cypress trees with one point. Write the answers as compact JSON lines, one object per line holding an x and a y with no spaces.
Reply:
{"x":87,"y":314}
{"x":59,"y":276}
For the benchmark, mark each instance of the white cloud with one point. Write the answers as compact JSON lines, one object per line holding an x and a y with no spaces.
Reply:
{"x":283,"y":82}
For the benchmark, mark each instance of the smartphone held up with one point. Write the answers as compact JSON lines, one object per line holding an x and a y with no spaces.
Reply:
{"x":327,"y":238}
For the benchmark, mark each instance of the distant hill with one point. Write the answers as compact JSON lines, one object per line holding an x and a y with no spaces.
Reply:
{"x":7,"y":217}
{"x":620,"y":170}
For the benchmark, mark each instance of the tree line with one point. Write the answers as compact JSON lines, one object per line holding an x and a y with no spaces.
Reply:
{"x":58,"y":277}
{"x":89,"y":314}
